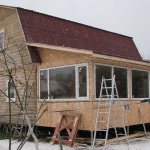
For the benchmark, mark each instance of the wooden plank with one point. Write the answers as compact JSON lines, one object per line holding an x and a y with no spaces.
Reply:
{"x":114,"y":140}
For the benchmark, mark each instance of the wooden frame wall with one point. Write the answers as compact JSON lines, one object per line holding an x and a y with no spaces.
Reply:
{"x":87,"y":107}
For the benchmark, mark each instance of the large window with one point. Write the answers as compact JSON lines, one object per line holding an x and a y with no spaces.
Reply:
{"x":102,"y":71}
{"x":68,"y":82}
{"x":107,"y":72}
{"x":62,"y":83}
{"x":121,"y":81}
{"x":1,"y":39}
{"x":140,"y":88}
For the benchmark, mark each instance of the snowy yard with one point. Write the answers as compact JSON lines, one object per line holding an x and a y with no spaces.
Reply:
{"x":136,"y":144}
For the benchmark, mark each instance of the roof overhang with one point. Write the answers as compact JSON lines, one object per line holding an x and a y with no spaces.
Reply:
{"x":87,"y":52}
{"x":66,"y":49}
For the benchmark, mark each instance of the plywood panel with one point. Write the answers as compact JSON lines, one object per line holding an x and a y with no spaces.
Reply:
{"x":54,"y":58}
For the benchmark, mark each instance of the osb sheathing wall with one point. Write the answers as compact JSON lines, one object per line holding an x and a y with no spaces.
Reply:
{"x":13,"y":35}
{"x":56,"y":58}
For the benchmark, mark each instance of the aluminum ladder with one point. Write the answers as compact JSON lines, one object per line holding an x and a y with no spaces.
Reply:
{"x":110,"y":93}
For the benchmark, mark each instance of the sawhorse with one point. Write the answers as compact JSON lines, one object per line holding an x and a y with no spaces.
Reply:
{"x":71,"y":126}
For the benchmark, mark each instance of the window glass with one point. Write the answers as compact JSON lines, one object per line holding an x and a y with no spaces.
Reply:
{"x":62,"y":83}
{"x":43,"y":84}
{"x":140,"y":84}
{"x":121,"y":81}
{"x":102,"y":71}
{"x":11,"y":90}
{"x":1,"y":39}
{"x":82,"y":81}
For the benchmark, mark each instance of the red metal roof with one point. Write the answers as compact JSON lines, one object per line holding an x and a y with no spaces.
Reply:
{"x":45,"y":29}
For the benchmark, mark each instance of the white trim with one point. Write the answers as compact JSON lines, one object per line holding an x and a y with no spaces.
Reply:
{"x":2,"y":31}
{"x":7,"y":99}
{"x":149,"y":82}
{"x":88,"y":81}
{"x":88,"y":52}
{"x":63,"y":100}
{"x":113,"y":58}
{"x":48,"y":88}
{"x":47,"y":81}
{"x":95,"y":82}
{"x":77,"y":81}
{"x":61,"y":48}
{"x":110,"y":65}
{"x":58,"y":67}
{"x":38,"y":85}
{"x":139,"y":69}
{"x":142,"y":70}
{"x":112,"y":71}
{"x":129,"y":78}
{"x":76,"y":66}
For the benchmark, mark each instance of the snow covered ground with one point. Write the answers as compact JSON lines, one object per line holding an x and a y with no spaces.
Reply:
{"x":136,"y":144}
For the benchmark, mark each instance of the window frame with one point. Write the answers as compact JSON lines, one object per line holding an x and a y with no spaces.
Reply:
{"x":2,"y":31}
{"x":112,"y":71}
{"x":132,"y":98}
{"x":12,"y":99}
{"x":76,"y":83}
{"x":47,"y":81}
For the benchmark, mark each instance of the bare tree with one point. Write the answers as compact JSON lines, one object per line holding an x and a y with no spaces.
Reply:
{"x":17,"y":68}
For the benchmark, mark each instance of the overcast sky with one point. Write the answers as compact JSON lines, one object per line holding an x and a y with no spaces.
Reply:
{"x":128,"y":17}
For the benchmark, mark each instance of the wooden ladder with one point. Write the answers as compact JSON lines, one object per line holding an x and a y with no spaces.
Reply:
{"x":70,"y":125}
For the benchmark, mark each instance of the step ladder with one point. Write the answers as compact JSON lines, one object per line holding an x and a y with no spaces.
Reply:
{"x":108,"y":91}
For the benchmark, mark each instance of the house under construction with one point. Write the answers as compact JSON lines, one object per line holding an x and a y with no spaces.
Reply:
{"x":70,"y":59}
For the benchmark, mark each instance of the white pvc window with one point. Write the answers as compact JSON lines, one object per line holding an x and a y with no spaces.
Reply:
{"x":82,"y":81}
{"x":62,"y":83}
{"x":44,"y":84}
{"x":1,"y":40}
{"x":140,"y":84}
{"x":68,"y":82}
{"x":107,"y":72}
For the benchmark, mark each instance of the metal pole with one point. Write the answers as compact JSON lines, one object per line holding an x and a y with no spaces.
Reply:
{"x":10,"y":132}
